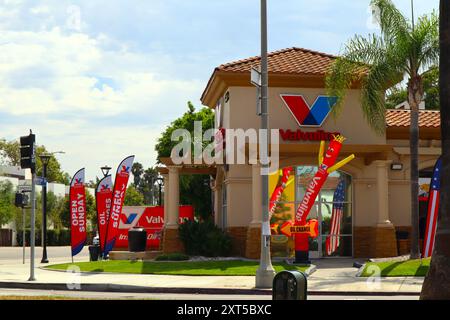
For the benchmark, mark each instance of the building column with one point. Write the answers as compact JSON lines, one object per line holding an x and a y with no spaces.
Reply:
{"x":173,"y":197}
{"x":166,"y":197}
{"x":171,"y":239}
{"x":253,"y":245}
{"x":383,"y":193}
{"x":217,"y":189}
{"x":384,"y":238}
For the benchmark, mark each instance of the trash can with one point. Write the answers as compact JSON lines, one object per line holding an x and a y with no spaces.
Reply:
{"x":137,"y":239}
{"x":94,"y":253}
{"x":290,"y":285}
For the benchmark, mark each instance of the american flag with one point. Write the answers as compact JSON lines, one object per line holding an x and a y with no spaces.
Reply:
{"x":433,"y":210}
{"x":332,"y":242}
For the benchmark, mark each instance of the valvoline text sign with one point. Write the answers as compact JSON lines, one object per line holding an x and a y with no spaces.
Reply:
{"x":149,"y":218}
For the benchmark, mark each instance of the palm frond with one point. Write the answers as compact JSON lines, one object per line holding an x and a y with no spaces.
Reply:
{"x":426,"y":39}
{"x":392,"y":22}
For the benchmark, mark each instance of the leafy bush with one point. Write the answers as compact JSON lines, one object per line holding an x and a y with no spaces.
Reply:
{"x":204,"y":239}
{"x":172,"y":257}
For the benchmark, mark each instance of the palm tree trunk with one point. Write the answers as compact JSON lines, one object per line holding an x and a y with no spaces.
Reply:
{"x":414,"y":98}
{"x":437,"y":281}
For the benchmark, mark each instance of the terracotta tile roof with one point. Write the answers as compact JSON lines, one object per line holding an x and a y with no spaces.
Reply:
{"x":288,"y":61}
{"x":401,"y":118}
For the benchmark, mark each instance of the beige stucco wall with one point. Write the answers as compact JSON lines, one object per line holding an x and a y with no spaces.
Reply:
{"x":240,"y":112}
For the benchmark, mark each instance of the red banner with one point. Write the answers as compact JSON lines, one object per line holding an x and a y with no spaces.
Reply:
{"x":329,"y":160}
{"x":317,"y":181}
{"x":77,"y":197}
{"x":276,"y":195}
{"x":118,"y":196}
{"x":103,"y":198}
{"x":149,"y":218}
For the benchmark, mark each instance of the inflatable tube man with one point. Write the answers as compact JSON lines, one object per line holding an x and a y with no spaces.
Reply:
{"x":327,"y":165}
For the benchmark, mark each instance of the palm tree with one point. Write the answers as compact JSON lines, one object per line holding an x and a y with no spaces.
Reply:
{"x":402,"y":50}
{"x":437,"y":281}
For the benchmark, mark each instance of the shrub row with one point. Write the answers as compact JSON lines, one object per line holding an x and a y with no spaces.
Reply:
{"x":204,"y":239}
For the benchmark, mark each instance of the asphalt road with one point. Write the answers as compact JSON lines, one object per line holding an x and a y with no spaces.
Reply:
{"x":59,"y":253}
{"x":171,"y":296}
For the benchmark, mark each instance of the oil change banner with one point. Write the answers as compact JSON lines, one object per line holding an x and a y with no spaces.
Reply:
{"x":103,"y":198}
{"x":317,"y":181}
{"x":118,"y":196}
{"x":276,"y":195}
{"x":326,"y":166}
{"x":149,"y":218}
{"x":77,"y":196}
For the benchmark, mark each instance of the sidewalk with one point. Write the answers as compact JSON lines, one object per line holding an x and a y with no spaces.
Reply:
{"x":332,"y":276}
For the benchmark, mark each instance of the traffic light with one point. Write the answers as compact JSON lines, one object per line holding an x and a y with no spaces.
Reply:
{"x":27,"y":152}
{"x":22,"y":200}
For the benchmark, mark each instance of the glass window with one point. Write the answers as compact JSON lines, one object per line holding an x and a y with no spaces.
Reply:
{"x":329,"y":203}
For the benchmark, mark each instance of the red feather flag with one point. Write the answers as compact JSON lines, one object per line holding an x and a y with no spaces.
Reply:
{"x":77,"y":197}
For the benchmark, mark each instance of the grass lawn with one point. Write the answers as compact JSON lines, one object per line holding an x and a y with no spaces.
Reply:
{"x":39,"y":298}
{"x":417,"y":268}
{"x":194,"y":268}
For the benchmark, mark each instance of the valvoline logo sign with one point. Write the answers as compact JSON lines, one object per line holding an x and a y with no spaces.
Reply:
{"x":149,"y":218}
{"x":306,"y":115}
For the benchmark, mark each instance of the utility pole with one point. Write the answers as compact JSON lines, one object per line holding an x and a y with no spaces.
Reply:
{"x":265,"y":272}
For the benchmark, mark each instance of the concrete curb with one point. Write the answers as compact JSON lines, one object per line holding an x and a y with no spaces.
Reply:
{"x":109,"y":287}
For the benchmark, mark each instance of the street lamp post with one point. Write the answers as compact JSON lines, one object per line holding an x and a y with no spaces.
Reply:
{"x":160,"y":182}
{"x":265,"y":272}
{"x":105,"y":170}
{"x":45,"y":159}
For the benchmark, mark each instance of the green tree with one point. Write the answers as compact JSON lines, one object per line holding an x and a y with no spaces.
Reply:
{"x":9,"y":152}
{"x":437,"y":282}
{"x":402,"y":49}
{"x":165,"y":143}
{"x":137,"y":170}
{"x":10,"y":155}
{"x":7,"y":198}
{"x":194,"y":189}
{"x":399,"y":94}
{"x":146,"y":185}
{"x":133,"y":197}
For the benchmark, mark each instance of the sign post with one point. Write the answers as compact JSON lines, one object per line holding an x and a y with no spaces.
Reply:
{"x":23,"y":189}
{"x":28,"y":161}
{"x":265,"y":272}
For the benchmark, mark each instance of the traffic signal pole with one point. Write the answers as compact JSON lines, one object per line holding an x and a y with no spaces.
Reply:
{"x":28,"y":161}
{"x":32,"y":231}
{"x":23,"y":234}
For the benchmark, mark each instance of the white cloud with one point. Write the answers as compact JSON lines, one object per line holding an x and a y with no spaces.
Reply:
{"x":40,"y":9}
{"x":89,"y":95}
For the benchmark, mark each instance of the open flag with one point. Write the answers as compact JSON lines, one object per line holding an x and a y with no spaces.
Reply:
{"x":433,"y":210}
{"x":117,"y":199}
{"x":332,"y":242}
{"x":77,"y":197}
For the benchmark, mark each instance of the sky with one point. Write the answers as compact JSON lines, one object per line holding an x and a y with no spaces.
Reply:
{"x":100,"y":80}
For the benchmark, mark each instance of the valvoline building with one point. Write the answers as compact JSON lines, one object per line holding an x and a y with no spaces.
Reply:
{"x":374,"y":197}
